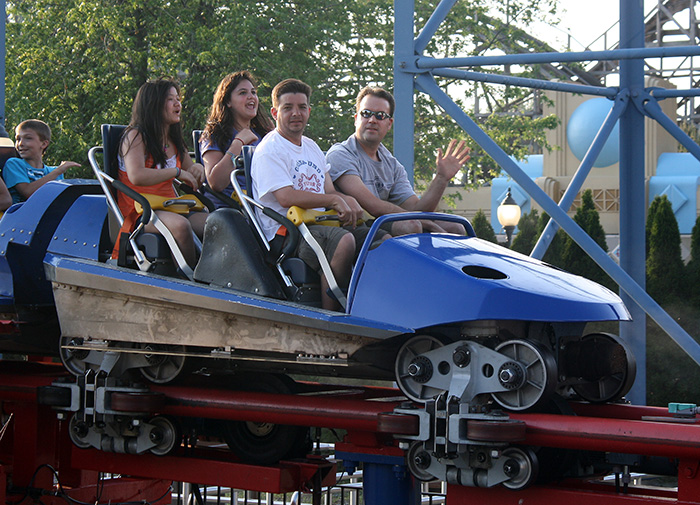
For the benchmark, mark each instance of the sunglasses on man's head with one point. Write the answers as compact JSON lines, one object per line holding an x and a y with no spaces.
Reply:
{"x":380,"y":115}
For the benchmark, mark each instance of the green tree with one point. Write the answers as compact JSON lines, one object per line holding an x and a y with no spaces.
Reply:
{"x":528,"y":233}
{"x":651,"y":214}
{"x":693,"y":266}
{"x":78,"y":63}
{"x":574,"y":258}
{"x":482,"y":227}
{"x":665,"y":279}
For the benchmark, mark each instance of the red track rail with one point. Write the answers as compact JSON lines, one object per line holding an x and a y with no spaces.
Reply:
{"x":367,"y":415}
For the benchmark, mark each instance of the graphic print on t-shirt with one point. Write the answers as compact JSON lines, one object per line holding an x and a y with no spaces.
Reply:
{"x":307,"y":176}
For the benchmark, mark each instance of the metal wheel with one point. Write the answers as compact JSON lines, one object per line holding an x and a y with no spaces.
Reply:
{"x":73,"y":359}
{"x":265,"y":443}
{"x":165,"y":435}
{"x":418,"y":460}
{"x":615,"y":365}
{"x":412,"y":371}
{"x":79,"y":431}
{"x":521,"y":466}
{"x":166,"y":364}
{"x":531,"y":376}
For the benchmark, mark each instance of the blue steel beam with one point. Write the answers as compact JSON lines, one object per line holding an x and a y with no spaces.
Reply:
{"x":662,"y":93}
{"x":525,"y":82}
{"x":431,"y":26}
{"x":411,"y":67}
{"x":621,"y":102}
{"x":428,"y":85}
{"x":426,"y":62}
{"x":403,"y":84}
{"x":654,"y":111}
{"x":632,"y":190}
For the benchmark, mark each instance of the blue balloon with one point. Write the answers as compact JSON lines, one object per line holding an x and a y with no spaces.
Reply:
{"x":583,"y":127}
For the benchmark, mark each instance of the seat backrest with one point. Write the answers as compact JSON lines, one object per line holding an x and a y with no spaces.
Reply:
{"x":196,"y":134}
{"x":111,"y":138}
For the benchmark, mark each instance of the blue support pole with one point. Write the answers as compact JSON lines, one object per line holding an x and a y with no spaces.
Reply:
{"x":582,"y":172}
{"x":404,"y":56}
{"x":632,"y":190}
{"x":385,"y":479}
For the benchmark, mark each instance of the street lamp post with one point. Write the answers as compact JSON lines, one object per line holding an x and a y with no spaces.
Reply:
{"x":508,"y":215}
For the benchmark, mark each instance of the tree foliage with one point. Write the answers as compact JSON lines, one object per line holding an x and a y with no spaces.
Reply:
{"x":574,"y":258}
{"x":528,"y":233}
{"x":693,"y":266}
{"x":78,"y":63}
{"x":665,"y":269}
{"x":482,"y":227}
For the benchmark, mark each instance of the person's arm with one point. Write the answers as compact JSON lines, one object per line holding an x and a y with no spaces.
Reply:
{"x":139,"y":175}
{"x":5,"y":197}
{"x":356,"y":211}
{"x":135,"y":163}
{"x":196,"y":170}
{"x":27,"y":189}
{"x":288,"y":197}
{"x":219,"y":165}
{"x":352,"y":185}
{"x":447,"y":165}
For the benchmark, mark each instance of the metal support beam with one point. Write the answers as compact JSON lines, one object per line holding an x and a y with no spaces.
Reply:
{"x":630,"y":275}
{"x":632,"y":191}
{"x":582,"y":172}
{"x":404,"y":55}
{"x":626,"y":282}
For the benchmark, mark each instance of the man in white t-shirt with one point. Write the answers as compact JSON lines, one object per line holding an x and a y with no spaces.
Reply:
{"x":290,"y":169}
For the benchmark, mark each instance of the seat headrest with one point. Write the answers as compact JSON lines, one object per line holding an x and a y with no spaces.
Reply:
{"x":111,"y":138}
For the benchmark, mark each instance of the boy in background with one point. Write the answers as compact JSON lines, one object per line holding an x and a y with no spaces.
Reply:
{"x":24,"y":175}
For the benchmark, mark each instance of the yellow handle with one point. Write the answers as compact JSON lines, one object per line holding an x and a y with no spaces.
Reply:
{"x":181,"y":205}
{"x":297,"y":215}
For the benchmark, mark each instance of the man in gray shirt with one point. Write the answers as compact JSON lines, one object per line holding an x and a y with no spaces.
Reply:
{"x":363,"y":168}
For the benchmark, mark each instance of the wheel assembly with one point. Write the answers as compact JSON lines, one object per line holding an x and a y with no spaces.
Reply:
{"x":165,"y":434}
{"x":520,"y":466}
{"x":73,"y":359}
{"x":165,"y":362}
{"x":264,"y":443}
{"x":418,"y":460}
{"x":413,"y":370}
{"x":79,"y":432}
{"x":529,"y":377}
{"x":605,"y":363}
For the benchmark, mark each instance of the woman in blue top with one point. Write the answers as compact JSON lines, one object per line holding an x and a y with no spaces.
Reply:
{"x":235,"y":120}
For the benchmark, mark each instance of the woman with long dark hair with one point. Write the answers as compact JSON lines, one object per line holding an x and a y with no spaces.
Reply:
{"x":152,"y":153}
{"x":235,"y":119}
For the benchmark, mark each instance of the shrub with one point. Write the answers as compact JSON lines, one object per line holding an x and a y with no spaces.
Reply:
{"x":483,"y":228}
{"x":665,"y":270}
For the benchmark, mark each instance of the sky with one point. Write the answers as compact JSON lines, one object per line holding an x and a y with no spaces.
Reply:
{"x":586,"y":21}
